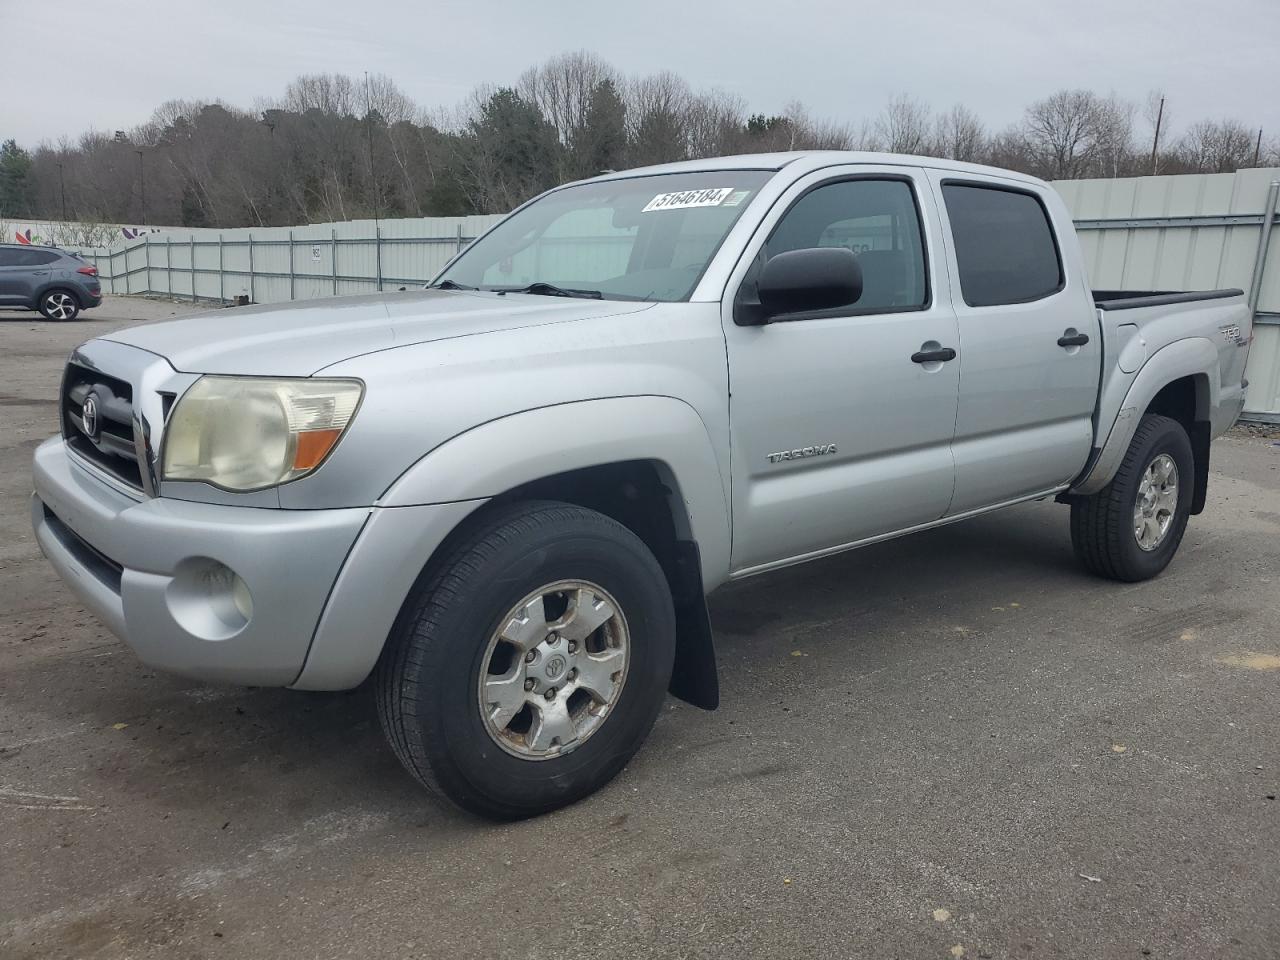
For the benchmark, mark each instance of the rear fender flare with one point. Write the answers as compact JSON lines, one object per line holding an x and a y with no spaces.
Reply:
{"x":1194,"y":356}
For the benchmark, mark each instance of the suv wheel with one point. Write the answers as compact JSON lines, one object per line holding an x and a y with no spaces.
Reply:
{"x":59,"y":305}
{"x":528,"y":666}
{"x":1130,"y":529}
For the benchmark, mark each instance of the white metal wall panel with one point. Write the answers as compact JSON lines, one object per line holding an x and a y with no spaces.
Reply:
{"x":1187,"y":256}
{"x":323,"y":259}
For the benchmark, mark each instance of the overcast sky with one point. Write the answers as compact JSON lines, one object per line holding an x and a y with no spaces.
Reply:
{"x":73,"y":65}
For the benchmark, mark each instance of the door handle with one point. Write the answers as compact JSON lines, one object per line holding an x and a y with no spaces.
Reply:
{"x":1076,"y":340}
{"x":941,"y":355}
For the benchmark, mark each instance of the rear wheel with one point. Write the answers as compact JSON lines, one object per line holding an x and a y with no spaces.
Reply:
{"x":530,"y":663}
{"x":59,"y":305}
{"x":1131,"y":528}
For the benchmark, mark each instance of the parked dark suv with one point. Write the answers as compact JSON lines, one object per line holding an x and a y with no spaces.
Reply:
{"x":57,"y":283}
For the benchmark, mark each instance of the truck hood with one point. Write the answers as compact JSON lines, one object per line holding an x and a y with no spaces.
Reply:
{"x":298,"y":339}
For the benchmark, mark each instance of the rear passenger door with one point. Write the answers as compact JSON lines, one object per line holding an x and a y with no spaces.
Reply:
{"x":14,"y":274}
{"x":1029,"y":350}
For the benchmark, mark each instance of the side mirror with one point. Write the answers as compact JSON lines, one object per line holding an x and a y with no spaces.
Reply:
{"x":816,"y":278}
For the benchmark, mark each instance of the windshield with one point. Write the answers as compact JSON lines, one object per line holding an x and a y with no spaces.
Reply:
{"x":646,"y":238}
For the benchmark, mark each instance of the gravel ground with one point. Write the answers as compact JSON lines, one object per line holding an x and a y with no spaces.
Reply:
{"x":951,"y":745}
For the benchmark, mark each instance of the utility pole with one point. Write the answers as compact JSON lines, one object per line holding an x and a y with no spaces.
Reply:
{"x":1257,"y":148}
{"x":1155,"y":142}
{"x":62,"y":184}
{"x":142,"y":188}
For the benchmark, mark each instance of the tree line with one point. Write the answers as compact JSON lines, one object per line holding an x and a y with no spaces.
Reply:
{"x":335,"y":147}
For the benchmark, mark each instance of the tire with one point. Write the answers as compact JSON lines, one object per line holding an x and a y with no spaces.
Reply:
{"x":1105,"y":526}
{"x":449,"y":649}
{"x":59,"y":305}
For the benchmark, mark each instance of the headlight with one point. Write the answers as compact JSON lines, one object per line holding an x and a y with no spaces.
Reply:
{"x":244,"y":433}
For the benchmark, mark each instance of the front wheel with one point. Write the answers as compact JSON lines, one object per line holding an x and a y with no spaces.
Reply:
{"x":530,"y":663}
{"x":59,"y":305}
{"x":1130,"y":529}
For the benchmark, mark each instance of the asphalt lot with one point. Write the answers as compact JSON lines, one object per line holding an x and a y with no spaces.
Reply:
{"x":951,"y":745}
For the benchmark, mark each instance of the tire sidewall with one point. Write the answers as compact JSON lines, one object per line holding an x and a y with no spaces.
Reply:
{"x":469,"y":764}
{"x":1172,"y":439}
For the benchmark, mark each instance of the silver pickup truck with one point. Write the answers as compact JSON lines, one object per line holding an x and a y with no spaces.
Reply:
{"x":505,"y":498}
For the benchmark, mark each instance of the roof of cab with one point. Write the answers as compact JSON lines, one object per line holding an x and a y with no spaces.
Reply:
{"x":807,"y":160}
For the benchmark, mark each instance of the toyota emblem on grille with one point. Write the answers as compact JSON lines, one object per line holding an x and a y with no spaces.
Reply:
{"x":89,"y":416}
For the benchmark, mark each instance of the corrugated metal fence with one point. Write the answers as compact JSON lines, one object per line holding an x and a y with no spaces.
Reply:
{"x":1194,"y":232}
{"x":274,"y":264}
{"x":1153,"y":233}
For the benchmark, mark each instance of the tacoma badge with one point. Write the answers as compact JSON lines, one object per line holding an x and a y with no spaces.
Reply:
{"x":814,"y":451}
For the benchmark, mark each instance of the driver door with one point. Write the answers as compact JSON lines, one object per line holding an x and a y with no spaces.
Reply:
{"x":838,"y":436}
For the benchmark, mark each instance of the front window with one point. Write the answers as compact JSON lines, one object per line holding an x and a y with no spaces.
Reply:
{"x":878,"y":221}
{"x":645,"y":238}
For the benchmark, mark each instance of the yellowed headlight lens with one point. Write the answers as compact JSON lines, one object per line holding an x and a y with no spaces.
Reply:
{"x":247,"y":433}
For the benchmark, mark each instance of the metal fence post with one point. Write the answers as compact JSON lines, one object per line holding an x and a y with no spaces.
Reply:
{"x":222,"y":277}
{"x":460,"y":245}
{"x":193,"y":268}
{"x":168,"y":264}
{"x":251,"y":291}
{"x":290,"y":264}
{"x":377,"y":254}
{"x":146,"y":250}
{"x":1264,"y":241}
{"x":333,"y":257}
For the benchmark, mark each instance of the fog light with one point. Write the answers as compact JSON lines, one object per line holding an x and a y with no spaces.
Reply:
{"x":208,"y":599}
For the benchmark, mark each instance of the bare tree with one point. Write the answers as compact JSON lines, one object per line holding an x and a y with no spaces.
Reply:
{"x":562,"y":89}
{"x":327,"y":92}
{"x":811,"y":134}
{"x":1271,"y":152}
{"x":714,"y":123}
{"x":1013,"y":150}
{"x":657,"y":116}
{"x":1112,"y":132}
{"x":1217,"y":146}
{"x":904,"y":126}
{"x":958,"y":134}
{"x":1061,"y":131}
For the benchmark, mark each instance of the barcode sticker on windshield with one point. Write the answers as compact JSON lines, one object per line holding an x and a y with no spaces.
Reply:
{"x":688,"y":198}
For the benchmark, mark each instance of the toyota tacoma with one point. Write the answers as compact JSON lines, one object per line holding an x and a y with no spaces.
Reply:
{"x":504,"y":498}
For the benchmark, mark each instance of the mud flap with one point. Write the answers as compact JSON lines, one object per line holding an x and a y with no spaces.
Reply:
{"x":1200,"y":451}
{"x":694,"y":678}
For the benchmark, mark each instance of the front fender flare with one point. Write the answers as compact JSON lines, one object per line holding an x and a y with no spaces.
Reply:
{"x":430,"y":499}
{"x":500,"y":455}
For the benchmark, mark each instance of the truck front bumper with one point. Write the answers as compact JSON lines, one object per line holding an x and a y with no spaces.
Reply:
{"x":214,"y":592}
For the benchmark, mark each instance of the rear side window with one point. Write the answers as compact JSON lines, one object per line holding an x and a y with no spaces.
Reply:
{"x":12,"y":257}
{"x":1005,"y":248}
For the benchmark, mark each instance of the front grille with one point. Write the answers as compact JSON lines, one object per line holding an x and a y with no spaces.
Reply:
{"x":106,"y":441}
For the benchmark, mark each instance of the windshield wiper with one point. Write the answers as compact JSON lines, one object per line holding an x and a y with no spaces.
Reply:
{"x":543,"y":289}
{"x":449,"y":285}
